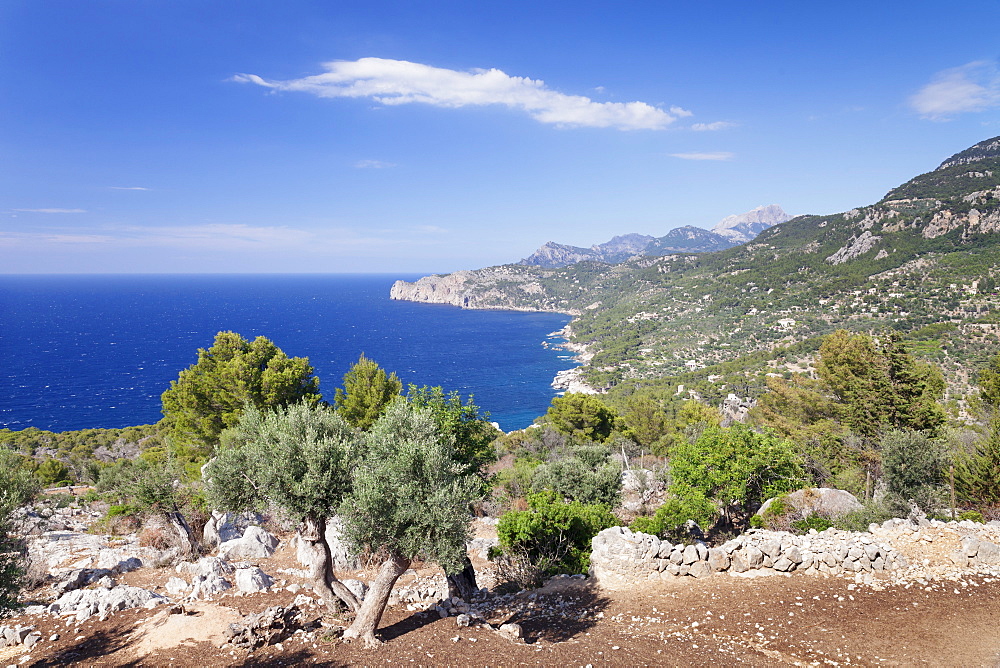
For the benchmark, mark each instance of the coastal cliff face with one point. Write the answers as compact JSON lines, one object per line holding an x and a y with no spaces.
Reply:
{"x":506,"y":287}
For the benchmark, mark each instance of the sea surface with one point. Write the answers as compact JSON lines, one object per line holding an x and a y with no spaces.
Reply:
{"x":81,"y":351}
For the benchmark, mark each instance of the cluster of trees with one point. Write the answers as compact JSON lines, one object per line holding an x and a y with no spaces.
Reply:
{"x":404,"y":470}
{"x":400,"y":471}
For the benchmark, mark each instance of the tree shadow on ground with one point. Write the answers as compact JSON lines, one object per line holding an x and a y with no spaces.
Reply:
{"x":93,"y":650}
{"x":299,"y":658}
{"x":559,"y":611}
{"x":406,"y":625}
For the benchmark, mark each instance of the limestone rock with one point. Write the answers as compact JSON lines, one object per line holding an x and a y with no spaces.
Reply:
{"x":718,"y":560}
{"x":255,"y":543}
{"x":252,"y":579}
{"x":823,"y":500}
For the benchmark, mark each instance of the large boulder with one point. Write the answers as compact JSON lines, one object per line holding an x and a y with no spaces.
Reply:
{"x":223,"y":527}
{"x":82,"y":603}
{"x":256,"y":543}
{"x":824,"y":501}
{"x":204,"y":567}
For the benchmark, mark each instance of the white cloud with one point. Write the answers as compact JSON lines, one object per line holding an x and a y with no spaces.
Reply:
{"x":224,"y":238}
{"x":708,"y":127}
{"x":971,"y":87}
{"x":430,"y":229}
{"x":395,"y":82}
{"x":373,"y":164}
{"x":717,"y":155}
{"x":52,"y":210}
{"x":127,"y":188}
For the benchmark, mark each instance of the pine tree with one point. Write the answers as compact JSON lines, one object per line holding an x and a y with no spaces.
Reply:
{"x":367,"y":391}
{"x":210,"y":395}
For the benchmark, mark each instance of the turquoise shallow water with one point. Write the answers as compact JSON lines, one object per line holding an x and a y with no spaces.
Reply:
{"x":97,"y":351}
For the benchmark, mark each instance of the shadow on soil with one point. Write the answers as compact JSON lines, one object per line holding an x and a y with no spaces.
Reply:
{"x":405,"y":625}
{"x":92,"y":651}
{"x":559,"y":611}
{"x":299,"y":658}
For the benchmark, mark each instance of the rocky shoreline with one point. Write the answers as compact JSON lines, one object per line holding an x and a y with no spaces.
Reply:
{"x":571,"y":380}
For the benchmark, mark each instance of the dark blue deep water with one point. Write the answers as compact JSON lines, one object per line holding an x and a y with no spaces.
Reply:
{"x":97,"y":351}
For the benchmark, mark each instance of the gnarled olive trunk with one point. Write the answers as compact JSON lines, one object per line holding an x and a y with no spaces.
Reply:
{"x":189,"y":544}
{"x":375,"y":601}
{"x":463,"y":583}
{"x":321,"y":567}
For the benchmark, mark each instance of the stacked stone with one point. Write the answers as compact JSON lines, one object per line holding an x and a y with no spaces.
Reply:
{"x":621,"y":557}
{"x":830,"y":552}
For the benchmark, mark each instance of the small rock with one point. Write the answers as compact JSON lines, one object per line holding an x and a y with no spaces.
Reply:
{"x":512,"y":631}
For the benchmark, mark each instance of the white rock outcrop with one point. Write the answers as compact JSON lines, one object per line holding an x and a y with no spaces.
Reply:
{"x":255,"y":543}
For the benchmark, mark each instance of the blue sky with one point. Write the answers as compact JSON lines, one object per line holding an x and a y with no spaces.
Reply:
{"x":323,"y":136}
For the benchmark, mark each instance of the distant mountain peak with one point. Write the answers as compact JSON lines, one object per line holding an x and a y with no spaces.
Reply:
{"x":743,"y":227}
{"x":728,"y":232}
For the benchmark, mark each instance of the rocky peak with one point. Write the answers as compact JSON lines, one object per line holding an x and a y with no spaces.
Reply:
{"x":988,"y":149}
{"x":745,"y":226}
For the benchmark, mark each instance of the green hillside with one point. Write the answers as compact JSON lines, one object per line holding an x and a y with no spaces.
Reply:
{"x":922,"y":261}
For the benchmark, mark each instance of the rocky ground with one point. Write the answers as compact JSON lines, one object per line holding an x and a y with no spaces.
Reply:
{"x":933,"y":612}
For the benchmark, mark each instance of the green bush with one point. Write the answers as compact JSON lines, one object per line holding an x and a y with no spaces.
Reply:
{"x":914,"y":467}
{"x":731,"y":471}
{"x":972,"y":515}
{"x":575,"y":480}
{"x":122,"y":509}
{"x":670,"y":519}
{"x":814,"y":521}
{"x":873,"y":512}
{"x":554,"y":532}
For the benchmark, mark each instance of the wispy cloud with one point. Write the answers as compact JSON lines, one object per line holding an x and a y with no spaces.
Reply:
{"x":709,"y":127}
{"x":395,"y":82}
{"x":222,"y":237}
{"x":374,"y":164}
{"x":972,"y":87}
{"x":51,"y":210}
{"x":127,"y":188}
{"x":430,"y":229}
{"x":717,"y":155}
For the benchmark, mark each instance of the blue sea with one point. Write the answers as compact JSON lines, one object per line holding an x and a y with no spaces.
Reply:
{"x":87,"y":351}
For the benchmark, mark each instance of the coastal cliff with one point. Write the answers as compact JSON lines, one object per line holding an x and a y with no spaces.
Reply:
{"x":506,"y":287}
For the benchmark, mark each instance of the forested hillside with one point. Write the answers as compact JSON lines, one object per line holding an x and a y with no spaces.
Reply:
{"x":922,"y":261}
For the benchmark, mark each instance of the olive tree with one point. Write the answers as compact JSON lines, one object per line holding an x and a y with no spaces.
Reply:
{"x":296,"y":458}
{"x":473,"y":436}
{"x":410,"y":498}
{"x":152,"y":485}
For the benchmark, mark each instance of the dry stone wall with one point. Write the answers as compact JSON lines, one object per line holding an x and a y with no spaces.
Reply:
{"x":622,"y":558}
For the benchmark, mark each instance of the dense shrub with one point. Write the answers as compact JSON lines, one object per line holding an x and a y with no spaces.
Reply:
{"x":577,"y":480}
{"x":913,"y":466}
{"x":553,"y":532}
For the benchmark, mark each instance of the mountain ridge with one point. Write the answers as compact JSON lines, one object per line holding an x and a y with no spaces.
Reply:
{"x":730,"y":231}
{"x":923,"y":261}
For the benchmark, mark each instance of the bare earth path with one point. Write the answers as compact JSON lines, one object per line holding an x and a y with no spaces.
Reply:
{"x":722,"y":620}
